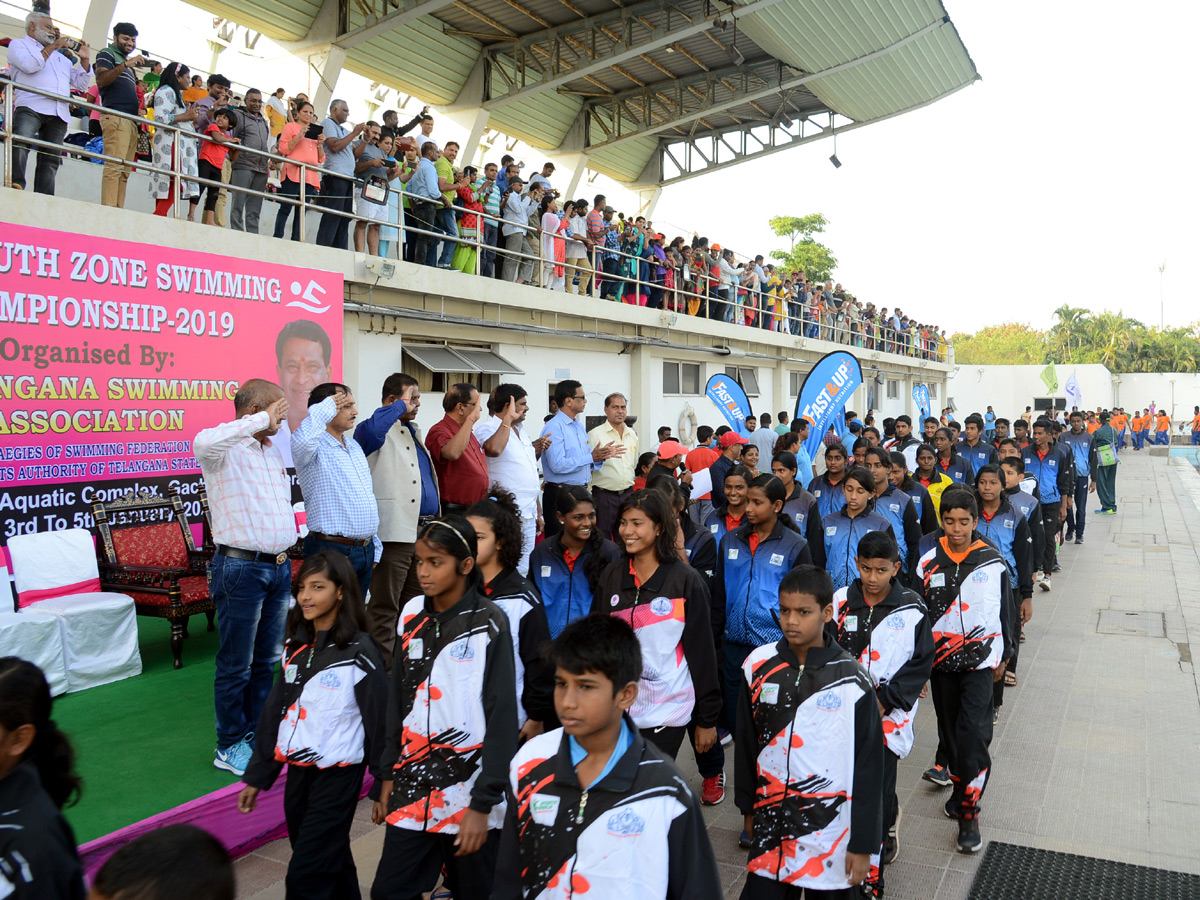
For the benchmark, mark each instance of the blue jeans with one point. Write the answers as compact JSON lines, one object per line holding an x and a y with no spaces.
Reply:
{"x":491,"y":240}
{"x":1161,"y":438}
{"x":44,"y":127}
{"x":362,"y":558}
{"x":252,"y":602}
{"x":447,"y":225}
{"x":1077,"y":514}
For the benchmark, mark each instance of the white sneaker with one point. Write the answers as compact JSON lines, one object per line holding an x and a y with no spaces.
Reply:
{"x":1044,"y":584}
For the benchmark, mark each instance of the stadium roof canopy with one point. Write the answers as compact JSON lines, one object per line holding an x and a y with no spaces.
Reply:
{"x":651,"y":91}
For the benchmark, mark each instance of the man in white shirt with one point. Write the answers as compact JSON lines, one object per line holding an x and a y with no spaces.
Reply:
{"x":253,"y":525}
{"x":512,"y":460}
{"x":426,"y":135}
{"x":35,"y":60}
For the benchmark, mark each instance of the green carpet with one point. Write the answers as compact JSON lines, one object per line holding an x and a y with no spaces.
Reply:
{"x":145,"y":744}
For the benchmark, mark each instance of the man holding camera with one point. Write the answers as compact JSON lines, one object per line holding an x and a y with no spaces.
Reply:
{"x":118,"y":91}
{"x":35,"y":61}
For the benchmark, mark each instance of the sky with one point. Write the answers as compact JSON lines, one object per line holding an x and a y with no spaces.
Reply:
{"x":1067,"y":175}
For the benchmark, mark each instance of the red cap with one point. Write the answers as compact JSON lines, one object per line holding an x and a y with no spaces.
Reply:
{"x":667,"y":449}
{"x":729,"y":438}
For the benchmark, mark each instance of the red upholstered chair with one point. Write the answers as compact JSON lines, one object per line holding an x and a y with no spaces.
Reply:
{"x":150,"y":555}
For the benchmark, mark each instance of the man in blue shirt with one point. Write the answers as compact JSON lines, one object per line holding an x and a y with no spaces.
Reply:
{"x":1081,"y":444}
{"x":337,"y":191}
{"x":422,"y":189}
{"x":569,"y":460}
{"x":989,"y":425}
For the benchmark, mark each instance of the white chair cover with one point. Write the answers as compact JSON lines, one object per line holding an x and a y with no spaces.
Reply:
{"x":37,"y":638}
{"x":99,"y":630}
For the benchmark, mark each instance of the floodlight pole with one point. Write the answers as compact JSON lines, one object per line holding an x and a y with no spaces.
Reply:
{"x":1161,"y":318}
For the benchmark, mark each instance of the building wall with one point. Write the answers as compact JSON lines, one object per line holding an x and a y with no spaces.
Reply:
{"x":1009,"y":389}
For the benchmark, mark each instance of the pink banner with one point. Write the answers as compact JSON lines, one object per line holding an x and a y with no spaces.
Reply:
{"x":113,"y":355}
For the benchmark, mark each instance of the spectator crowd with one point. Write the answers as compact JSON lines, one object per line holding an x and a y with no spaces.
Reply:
{"x":385,"y":182}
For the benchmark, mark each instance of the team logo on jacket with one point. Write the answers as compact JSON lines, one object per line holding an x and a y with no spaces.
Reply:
{"x":979,"y":577}
{"x":330,"y":680}
{"x":895,"y":507}
{"x":460,"y":651}
{"x":626,"y":823}
{"x":615,"y":600}
{"x":829,"y":701}
{"x":544,"y":808}
{"x":895,"y":621}
{"x":661,"y":606}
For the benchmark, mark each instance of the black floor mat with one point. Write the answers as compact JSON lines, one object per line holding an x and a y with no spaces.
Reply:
{"x":1010,"y":872}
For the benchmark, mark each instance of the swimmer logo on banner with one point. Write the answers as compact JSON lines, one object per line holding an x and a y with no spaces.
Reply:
{"x":827,"y":390}
{"x":113,"y":355}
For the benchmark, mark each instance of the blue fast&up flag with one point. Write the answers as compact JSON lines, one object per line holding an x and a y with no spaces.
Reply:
{"x":724,"y":391}
{"x":921,"y":398}
{"x":827,"y":390}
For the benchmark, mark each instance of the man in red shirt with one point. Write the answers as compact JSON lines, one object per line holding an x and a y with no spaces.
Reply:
{"x":456,"y":454}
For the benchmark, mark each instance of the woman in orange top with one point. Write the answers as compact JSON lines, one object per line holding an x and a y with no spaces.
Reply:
{"x":1196,"y":427}
{"x":1135,"y":426}
{"x":295,"y":146}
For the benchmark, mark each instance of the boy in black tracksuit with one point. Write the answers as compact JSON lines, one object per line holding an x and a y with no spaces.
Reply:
{"x":964,"y":582}
{"x":885,"y":627}
{"x":812,"y":804}
{"x":594,"y":809}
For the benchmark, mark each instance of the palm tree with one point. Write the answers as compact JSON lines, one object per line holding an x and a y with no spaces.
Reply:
{"x":1067,"y":334}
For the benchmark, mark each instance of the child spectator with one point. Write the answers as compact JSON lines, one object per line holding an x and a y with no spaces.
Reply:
{"x":324,"y":717}
{"x":809,"y":762}
{"x":176,"y":862}
{"x":497,"y":523}
{"x":965,"y":585}
{"x":566,"y":567}
{"x":884,"y":626}
{"x":37,"y":779}
{"x":213,"y":150}
{"x":595,"y":809}
{"x":452,"y":727}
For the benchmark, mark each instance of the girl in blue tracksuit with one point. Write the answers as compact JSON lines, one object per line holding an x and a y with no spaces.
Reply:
{"x":827,"y":487}
{"x":800,"y":504}
{"x":948,"y":462}
{"x":565,"y":568}
{"x":845,"y":528}
{"x":751,"y":563}
{"x":897,"y":507}
{"x":899,"y":475}
{"x":731,"y":515}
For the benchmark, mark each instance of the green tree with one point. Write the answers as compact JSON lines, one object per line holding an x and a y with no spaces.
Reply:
{"x":1067,"y":334}
{"x":998,"y":345}
{"x":806,"y":252}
